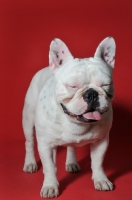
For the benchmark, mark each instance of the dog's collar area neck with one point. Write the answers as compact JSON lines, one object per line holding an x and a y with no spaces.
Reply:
{"x":80,"y":117}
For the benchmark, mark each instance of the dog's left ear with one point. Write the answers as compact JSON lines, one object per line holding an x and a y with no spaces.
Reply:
{"x":58,"y":54}
{"x":106,"y":51}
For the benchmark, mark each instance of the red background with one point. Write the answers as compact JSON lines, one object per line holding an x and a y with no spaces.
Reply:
{"x":26,"y":30}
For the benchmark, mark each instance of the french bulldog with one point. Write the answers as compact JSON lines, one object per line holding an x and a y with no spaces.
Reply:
{"x":69,"y":104}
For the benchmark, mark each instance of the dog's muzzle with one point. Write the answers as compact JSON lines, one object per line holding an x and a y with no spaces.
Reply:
{"x":91,"y":114}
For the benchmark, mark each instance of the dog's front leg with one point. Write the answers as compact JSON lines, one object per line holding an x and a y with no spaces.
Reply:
{"x":50,"y":184}
{"x":98,"y":150}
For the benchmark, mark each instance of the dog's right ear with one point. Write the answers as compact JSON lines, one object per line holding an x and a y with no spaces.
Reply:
{"x":58,"y":54}
{"x":106,"y":51}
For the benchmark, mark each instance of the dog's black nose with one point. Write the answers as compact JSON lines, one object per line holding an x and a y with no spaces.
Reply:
{"x":91,"y":97}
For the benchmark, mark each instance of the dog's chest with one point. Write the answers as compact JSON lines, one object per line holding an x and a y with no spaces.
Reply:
{"x":79,"y":137}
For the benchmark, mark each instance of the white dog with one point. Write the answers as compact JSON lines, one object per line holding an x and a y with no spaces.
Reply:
{"x":69,"y":104}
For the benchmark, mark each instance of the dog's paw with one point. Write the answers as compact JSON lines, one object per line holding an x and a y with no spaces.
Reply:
{"x":104,"y":185}
{"x":73,"y":167}
{"x":30,"y":168}
{"x":49,"y":192}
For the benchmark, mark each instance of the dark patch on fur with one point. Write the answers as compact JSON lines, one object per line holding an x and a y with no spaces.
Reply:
{"x":106,"y":54}
{"x":56,"y":53}
{"x":108,"y":48}
{"x":109,"y":95}
{"x":60,"y":63}
{"x":102,"y":55}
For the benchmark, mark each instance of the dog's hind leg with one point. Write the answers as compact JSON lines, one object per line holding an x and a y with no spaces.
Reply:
{"x":71,"y":160}
{"x":30,"y":164}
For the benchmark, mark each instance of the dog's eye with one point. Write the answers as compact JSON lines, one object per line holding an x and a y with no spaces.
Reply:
{"x":108,"y":88}
{"x":107,"y":84}
{"x":72,"y":86}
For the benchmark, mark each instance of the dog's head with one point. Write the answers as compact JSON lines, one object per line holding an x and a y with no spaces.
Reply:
{"x":83,"y":87}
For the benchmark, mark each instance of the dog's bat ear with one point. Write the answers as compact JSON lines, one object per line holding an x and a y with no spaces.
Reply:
{"x":58,"y":54}
{"x":106,"y":51}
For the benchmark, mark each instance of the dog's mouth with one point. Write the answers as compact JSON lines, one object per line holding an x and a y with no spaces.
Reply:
{"x":87,"y":117}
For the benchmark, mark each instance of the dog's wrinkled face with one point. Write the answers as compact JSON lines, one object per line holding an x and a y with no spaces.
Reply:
{"x":83,"y":87}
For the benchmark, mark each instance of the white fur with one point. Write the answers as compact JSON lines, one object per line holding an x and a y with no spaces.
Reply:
{"x":65,"y":81}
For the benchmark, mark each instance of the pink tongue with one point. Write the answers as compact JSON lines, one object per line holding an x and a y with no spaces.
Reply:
{"x":92,"y":115}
